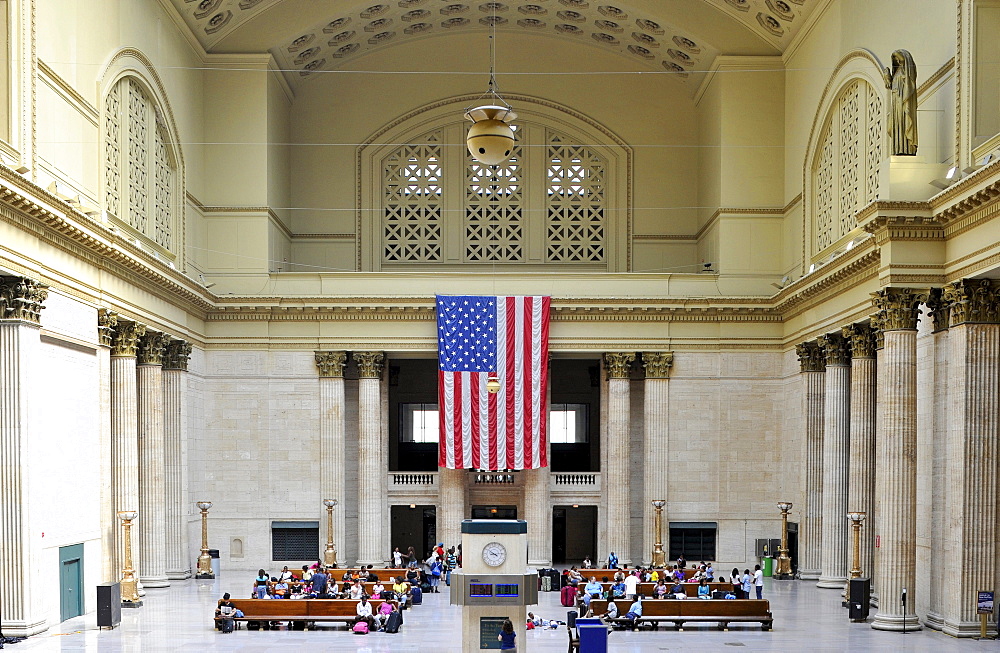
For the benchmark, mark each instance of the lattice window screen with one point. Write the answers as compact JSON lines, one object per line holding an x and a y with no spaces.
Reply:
{"x":112,"y":151}
{"x":846,"y":171}
{"x":576,"y":221}
{"x":494,"y":218}
{"x":412,"y":225}
{"x":135,"y":137}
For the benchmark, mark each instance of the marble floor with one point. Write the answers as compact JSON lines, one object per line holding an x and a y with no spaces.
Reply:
{"x":178,"y":619}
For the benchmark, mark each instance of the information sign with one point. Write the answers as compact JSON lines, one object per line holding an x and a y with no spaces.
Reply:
{"x":489,"y":628}
{"x":984,"y":603}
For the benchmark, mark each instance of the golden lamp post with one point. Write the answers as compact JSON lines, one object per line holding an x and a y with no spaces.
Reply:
{"x":856,"y":519}
{"x":659,"y":558}
{"x":129,"y":584}
{"x":204,"y":560}
{"x":784,"y":571}
{"x":330,"y":554}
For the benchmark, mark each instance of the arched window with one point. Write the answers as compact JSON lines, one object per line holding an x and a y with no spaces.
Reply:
{"x":561,"y":198}
{"x":139,"y":168}
{"x":845,"y":173}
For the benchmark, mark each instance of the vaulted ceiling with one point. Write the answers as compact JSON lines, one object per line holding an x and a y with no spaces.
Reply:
{"x":678,"y":36}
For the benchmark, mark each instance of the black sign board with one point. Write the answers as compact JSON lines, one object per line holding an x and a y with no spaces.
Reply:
{"x":489,"y":628}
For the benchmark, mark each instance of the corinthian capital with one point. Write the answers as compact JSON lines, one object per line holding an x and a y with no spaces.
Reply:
{"x":658,"y":364}
{"x":940,"y":308}
{"x":811,"y":357}
{"x":151,"y":348}
{"x":862,"y":340}
{"x":618,"y":364}
{"x":972,"y":301}
{"x":369,"y":363}
{"x":836,"y":349}
{"x":126,"y":340}
{"x":176,"y":356}
{"x":21,"y":299}
{"x":898,"y":308}
{"x":331,"y":363}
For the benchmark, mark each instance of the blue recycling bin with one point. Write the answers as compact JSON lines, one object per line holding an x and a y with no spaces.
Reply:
{"x":593,"y":635}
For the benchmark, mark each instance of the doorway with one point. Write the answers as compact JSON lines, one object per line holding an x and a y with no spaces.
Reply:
{"x":574,"y":534}
{"x":413,"y":525}
{"x":70,"y":581}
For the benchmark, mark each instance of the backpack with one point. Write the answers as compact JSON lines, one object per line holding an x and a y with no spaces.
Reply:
{"x":361,"y":628}
{"x":436,"y":568}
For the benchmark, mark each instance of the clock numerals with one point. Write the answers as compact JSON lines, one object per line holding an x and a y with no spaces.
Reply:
{"x":494,"y":554}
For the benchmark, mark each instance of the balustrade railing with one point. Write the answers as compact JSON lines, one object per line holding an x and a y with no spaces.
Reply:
{"x":397,"y":479}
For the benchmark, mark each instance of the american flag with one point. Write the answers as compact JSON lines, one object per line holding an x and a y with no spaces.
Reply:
{"x":477,"y":337}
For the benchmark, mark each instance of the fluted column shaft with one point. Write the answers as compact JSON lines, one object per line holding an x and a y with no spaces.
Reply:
{"x":861,"y":489}
{"x":178,"y":552}
{"x":656,"y":442}
{"x":538,"y":504}
{"x":619,"y":515}
{"x":332,"y":443}
{"x":896,"y":483}
{"x":125,"y":425}
{"x":109,"y":523}
{"x":451,"y":506}
{"x":813,"y":391}
{"x":21,"y":607}
{"x":972,"y":445}
{"x":152,"y":467}
{"x":836,"y":449}
{"x":371,"y":502}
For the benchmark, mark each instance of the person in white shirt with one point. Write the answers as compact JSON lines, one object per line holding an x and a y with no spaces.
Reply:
{"x":631,"y":586}
{"x":397,"y":558}
{"x":357,"y":590}
{"x":364,"y":611}
{"x":377,"y":589}
{"x":285,"y":575}
{"x":758,"y":581}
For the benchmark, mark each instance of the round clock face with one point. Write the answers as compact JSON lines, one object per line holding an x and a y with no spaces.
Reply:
{"x":494,"y":554}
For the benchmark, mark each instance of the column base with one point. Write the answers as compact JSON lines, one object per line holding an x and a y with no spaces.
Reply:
{"x":205,"y":576}
{"x":934,"y":620}
{"x":968,"y":629}
{"x":23,"y":628}
{"x":156,"y":581}
{"x":179,"y":575}
{"x":131,"y":604}
{"x":832,"y":582}
{"x":809,"y":574}
{"x":897,"y":623}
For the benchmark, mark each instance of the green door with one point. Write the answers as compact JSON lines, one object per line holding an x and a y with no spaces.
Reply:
{"x":70,"y":581}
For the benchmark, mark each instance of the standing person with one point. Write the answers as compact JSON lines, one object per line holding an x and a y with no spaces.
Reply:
{"x":319,"y":582}
{"x":710,"y":573}
{"x":451,"y":562}
{"x":631,"y":587}
{"x":737,"y":583}
{"x":747,"y":583}
{"x":260,"y":584}
{"x":612,"y":561}
{"x":681,"y":562}
{"x":758,"y":581}
{"x":507,"y":637}
{"x":587,"y":564}
{"x":411,"y":555}
{"x":397,"y":558}
{"x":435,"y":576}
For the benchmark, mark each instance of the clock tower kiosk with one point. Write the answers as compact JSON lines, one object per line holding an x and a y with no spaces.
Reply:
{"x":494,"y":582}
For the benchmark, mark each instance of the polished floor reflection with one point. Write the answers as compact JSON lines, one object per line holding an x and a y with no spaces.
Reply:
{"x":179,"y":619}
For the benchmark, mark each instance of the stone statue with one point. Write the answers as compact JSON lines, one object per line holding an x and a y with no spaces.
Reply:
{"x":901,"y":80}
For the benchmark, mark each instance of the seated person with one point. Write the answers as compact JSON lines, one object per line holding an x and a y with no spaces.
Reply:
{"x":587,"y":564}
{"x":364,"y":613}
{"x":279,"y":589}
{"x":285,"y":575}
{"x":402,"y":590}
{"x":382,"y":616}
{"x":678,"y":588}
{"x":704,"y":591}
{"x":307,"y":574}
{"x":592,"y":590}
{"x":575,"y":577}
{"x":357,"y":591}
{"x":412,"y":574}
{"x":618,"y":589}
{"x":225,"y":610}
{"x":634,"y":611}
{"x":654,"y":576}
{"x":678,"y":574}
{"x":612,"y":612}
{"x":377,"y":589}
{"x":363,"y":574}
{"x":660,"y":591}
{"x":709,"y":572}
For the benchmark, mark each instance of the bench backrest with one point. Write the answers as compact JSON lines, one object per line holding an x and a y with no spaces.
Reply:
{"x":266,"y":608}
{"x":647,"y":589}
{"x":691,"y":608}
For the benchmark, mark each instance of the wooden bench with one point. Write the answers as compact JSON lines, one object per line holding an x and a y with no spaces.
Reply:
{"x":610,"y":573}
{"x":310,"y":610}
{"x":647,"y":589}
{"x":721,"y":611}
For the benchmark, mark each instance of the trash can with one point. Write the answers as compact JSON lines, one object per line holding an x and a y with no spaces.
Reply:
{"x":214,"y":555}
{"x":593,"y":635}
{"x":768,"y":566}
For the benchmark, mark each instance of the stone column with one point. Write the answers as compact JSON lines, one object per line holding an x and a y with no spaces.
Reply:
{"x":451,"y":506}
{"x":109,"y":524}
{"x":861,"y":489}
{"x":372,"y":542}
{"x":152,"y":467}
{"x":836,"y":436}
{"x":896,"y":483}
{"x":332,"y":484}
{"x":813,"y":367}
{"x":617,"y":477}
{"x":22,"y":607}
{"x":932,"y":403}
{"x":972,"y":445}
{"x":178,"y":552}
{"x":538,"y":502}
{"x":124,"y":424}
{"x":656,"y":441}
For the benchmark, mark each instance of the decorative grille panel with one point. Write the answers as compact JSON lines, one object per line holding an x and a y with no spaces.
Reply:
{"x":825,"y":204}
{"x":161,"y":198}
{"x":850,"y":159}
{"x":873,"y":149}
{"x":112,"y":151}
{"x":576,"y":223}
{"x":413,"y":202}
{"x":138,"y":157}
{"x":494,"y":228}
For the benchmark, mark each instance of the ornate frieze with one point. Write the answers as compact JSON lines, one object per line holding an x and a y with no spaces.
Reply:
{"x":331,"y":363}
{"x":106,"y":322}
{"x":811,"y":357}
{"x":618,"y":364}
{"x":861,"y":338}
{"x":369,"y":363}
{"x":836,"y":349}
{"x":657,"y":364}
{"x":972,"y":301}
{"x":151,"y":347}
{"x":898,"y":308}
{"x":939,"y":307}
{"x":126,"y":339}
{"x":176,"y":356}
{"x":21,"y":299}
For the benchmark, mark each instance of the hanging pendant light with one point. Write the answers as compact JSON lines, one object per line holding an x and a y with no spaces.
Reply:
{"x":491,"y":137}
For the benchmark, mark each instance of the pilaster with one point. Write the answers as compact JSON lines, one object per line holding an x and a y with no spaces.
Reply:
{"x":812,"y":367}
{"x":372,"y":542}
{"x":175,"y":366}
{"x":331,"y":436}
{"x":619,"y":517}
{"x":861,"y":465}
{"x":836,"y":434}
{"x":933,"y":406}
{"x":656,"y":440}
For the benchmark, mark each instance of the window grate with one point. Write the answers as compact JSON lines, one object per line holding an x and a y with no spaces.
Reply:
{"x":294,"y":543}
